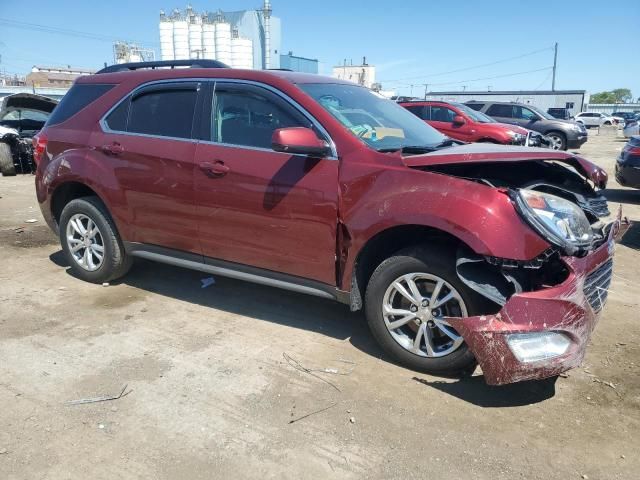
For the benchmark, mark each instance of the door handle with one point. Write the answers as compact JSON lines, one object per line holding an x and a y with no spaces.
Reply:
{"x":114,"y":149}
{"x":216,"y":169}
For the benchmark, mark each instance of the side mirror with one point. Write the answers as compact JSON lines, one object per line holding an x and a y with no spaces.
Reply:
{"x":299,"y":141}
{"x":459,"y":120}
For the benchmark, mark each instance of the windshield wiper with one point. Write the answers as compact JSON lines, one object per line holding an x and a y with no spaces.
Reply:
{"x":409,"y":149}
{"x":447,"y":142}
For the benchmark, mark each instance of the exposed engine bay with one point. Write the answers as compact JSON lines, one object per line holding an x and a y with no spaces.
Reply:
{"x":497,"y":278}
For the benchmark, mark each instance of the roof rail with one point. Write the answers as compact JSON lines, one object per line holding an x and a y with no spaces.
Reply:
{"x":281,"y":69}
{"x":194,"y":63}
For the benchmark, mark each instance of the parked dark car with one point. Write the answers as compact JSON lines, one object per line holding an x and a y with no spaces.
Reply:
{"x":628,"y":116}
{"x":22,"y":115}
{"x":628,"y":164}
{"x":457,"y":253}
{"x":457,"y":120}
{"x":564,"y":134}
{"x":561,"y":113}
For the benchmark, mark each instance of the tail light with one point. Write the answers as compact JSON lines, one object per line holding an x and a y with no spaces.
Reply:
{"x":39,"y":146}
{"x":634,"y":151}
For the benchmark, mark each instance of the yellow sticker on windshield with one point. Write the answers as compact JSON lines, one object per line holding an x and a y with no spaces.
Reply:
{"x":379,"y":133}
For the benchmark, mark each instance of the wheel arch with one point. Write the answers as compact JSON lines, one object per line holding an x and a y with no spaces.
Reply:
{"x":389,"y":241}
{"x":67,"y":191}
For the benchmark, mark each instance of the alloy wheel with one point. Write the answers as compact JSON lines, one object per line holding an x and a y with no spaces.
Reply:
{"x":556,"y":142}
{"x":85,"y":242}
{"x":415,"y":308}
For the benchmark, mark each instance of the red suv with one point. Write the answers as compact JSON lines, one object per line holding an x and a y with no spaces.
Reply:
{"x":463,"y":123}
{"x":456,"y":253}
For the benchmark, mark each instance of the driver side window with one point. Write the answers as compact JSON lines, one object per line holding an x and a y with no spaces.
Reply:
{"x":247,"y":116}
{"x":525,"y":114}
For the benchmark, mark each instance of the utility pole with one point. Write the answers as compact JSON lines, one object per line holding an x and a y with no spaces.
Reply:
{"x":426,"y":87}
{"x":555,"y":61}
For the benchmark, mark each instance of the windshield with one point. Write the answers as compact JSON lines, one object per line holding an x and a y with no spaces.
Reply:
{"x":380,"y":123}
{"x":475,"y":115}
{"x":541,"y":113}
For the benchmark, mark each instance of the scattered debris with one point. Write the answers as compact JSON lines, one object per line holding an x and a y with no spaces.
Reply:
{"x":82,"y":401}
{"x":295,"y":364}
{"x":31,"y":220}
{"x":620,"y":344}
{"x":101,"y":426}
{"x":3,"y":451}
{"x":564,"y":375}
{"x":312,"y":413}
{"x":105,"y":284}
{"x":352,"y":419}
{"x":19,"y":229}
{"x":331,"y":370}
{"x":585,"y":477}
{"x":207,"y":282}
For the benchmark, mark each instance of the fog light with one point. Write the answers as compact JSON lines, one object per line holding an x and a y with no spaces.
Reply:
{"x":533,"y":347}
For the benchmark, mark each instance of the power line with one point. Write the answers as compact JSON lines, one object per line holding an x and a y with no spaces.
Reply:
{"x":63,"y":31}
{"x":491,"y":78}
{"x":473,"y":67}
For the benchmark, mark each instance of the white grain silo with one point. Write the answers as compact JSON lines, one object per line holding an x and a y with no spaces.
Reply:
{"x":241,"y":52}
{"x":166,"y":37}
{"x":195,"y":36}
{"x":180,"y":36}
{"x":223,"y":40}
{"x":208,"y":39}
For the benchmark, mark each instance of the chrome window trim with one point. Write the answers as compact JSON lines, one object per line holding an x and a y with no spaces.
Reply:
{"x":105,"y":128}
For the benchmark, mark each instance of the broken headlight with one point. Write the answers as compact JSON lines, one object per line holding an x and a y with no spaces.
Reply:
{"x":559,"y":221}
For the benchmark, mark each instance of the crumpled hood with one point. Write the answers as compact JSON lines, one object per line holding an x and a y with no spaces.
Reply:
{"x":29,"y":101}
{"x":491,"y":153}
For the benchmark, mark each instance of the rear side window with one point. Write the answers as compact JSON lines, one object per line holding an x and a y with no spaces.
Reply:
{"x":80,"y":95}
{"x":167,"y":113}
{"x":497,"y":110}
{"x":117,"y":119}
{"x":476,"y":106}
{"x":417,"y":110}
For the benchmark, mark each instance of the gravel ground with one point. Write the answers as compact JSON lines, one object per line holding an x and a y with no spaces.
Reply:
{"x":213,"y":396}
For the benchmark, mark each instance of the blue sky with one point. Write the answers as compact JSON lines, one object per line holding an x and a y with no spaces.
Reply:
{"x":410,"y":42}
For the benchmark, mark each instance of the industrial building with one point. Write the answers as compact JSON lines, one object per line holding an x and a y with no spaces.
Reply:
{"x":574,"y":100}
{"x":363,"y":74}
{"x":125,"y":52}
{"x":243,"y":39}
{"x":298,"y":64}
{"x":58,"y":77}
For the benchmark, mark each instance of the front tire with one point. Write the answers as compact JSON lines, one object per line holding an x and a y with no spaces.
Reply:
{"x":7,"y":167}
{"x":405,"y":314}
{"x":91,"y":242}
{"x":558,"y":140}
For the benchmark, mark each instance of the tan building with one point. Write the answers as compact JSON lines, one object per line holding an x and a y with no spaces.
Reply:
{"x":55,"y":76}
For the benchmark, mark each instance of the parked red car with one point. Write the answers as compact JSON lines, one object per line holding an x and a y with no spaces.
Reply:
{"x":456,"y":253}
{"x":458,"y":121}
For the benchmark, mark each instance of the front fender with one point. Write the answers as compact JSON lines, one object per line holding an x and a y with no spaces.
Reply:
{"x":480,"y":216}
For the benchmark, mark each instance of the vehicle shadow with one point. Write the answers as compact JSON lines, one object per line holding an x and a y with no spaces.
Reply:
{"x":620,"y":195}
{"x":247,"y":299}
{"x":474,"y":390}
{"x":305,"y":312}
{"x":631,"y":238}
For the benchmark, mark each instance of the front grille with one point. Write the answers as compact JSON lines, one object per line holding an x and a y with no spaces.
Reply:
{"x":596,"y":285}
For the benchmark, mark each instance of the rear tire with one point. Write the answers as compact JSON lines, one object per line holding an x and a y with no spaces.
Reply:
{"x":427,"y":262}
{"x":7,"y":167}
{"x":98,"y":258}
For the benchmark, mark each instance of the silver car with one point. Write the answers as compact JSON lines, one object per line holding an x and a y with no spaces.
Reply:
{"x":631,"y":128}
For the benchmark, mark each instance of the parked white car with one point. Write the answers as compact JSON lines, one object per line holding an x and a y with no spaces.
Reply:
{"x":594,"y":119}
{"x":631,"y":128}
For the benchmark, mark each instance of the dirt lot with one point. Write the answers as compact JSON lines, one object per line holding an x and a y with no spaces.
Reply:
{"x":212,"y":396}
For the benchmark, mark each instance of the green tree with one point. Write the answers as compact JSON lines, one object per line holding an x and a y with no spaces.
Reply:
{"x":619,"y":95}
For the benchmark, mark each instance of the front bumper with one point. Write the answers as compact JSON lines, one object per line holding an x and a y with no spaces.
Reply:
{"x":577,"y":141}
{"x":571,"y":308}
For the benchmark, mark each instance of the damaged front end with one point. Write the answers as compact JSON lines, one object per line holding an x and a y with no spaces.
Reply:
{"x":545,"y":308}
